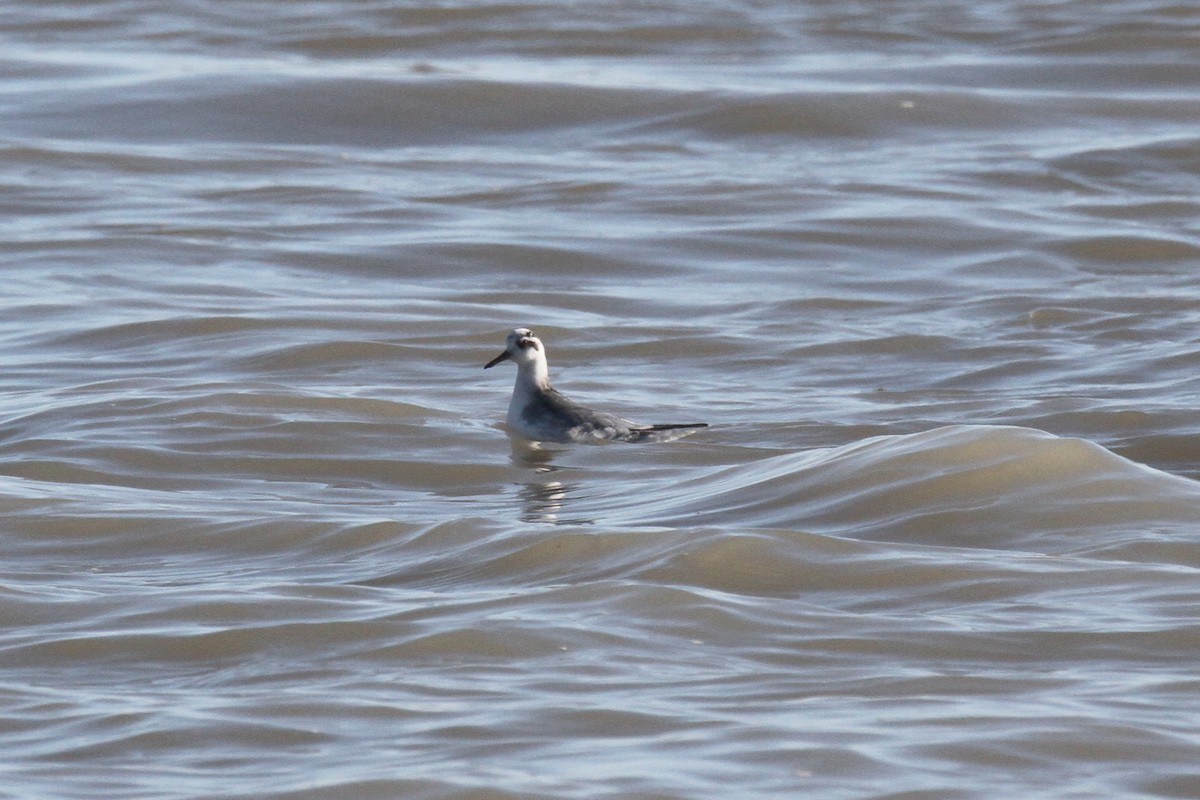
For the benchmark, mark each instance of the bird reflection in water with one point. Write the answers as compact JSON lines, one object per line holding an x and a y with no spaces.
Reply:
{"x":545,"y":497}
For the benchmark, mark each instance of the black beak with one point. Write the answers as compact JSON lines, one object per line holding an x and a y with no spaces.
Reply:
{"x":502,"y":357}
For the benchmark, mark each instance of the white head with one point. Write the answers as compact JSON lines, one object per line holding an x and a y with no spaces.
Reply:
{"x":527,"y":351}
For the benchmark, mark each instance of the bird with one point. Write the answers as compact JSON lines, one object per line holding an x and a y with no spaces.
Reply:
{"x":540,"y":412}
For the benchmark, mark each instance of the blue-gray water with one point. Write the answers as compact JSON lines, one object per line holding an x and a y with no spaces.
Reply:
{"x":929,"y":270}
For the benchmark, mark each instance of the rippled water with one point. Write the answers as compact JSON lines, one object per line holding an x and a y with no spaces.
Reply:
{"x":929,"y":270}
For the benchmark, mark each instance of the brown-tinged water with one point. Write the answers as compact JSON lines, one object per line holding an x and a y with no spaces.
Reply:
{"x":929,"y":270}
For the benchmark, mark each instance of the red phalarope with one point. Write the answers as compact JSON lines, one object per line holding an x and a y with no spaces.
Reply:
{"x":540,"y":412}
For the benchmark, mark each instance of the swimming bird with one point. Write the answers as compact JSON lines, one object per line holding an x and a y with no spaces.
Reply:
{"x":540,"y":412}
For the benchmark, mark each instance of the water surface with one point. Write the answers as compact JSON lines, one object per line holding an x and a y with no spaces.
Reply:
{"x":928,"y":271}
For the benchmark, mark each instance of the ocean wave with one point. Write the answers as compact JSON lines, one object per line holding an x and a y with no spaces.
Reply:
{"x":989,"y":487}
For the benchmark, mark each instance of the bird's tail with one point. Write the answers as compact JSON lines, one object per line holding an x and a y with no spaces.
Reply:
{"x":665,"y":432}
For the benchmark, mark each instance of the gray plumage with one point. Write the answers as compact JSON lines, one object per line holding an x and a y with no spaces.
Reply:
{"x":540,"y":412}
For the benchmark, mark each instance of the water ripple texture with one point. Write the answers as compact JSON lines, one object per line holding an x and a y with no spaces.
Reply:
{"x":926,"y":269}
